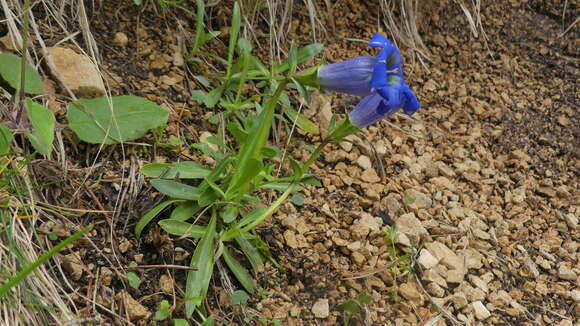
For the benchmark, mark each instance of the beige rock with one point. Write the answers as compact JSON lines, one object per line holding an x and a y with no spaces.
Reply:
{"x":370,"y":176}
{"x":75,"y":71}
{"x":420,"y":200}
{"x":320,"y":309}
{"x":364,"y":162}
{"x":134,"y":309}
{"x":480,"y":310}
{"x":571,"y":220}
{"x":166,"y":284}
{"x":566,"y":273}
{"x":363,"y":226}
{"x":294,"y":240}
{"x":435,"y":290}
{"x":403,"y":240}
{"x":446,"y":256}
{"x":8,"y":43}
{"x":354,"y":246}
{"x":410,"y":292}
{"x":426,"y":259}
{"x":454,"y":276}
{"x":121,"y":39}
{"x":358,"y":258}
{"x":431,"y":275}
{"x":73,"y":264}
{"x":412,"y":227}
{"x":459,"y":299}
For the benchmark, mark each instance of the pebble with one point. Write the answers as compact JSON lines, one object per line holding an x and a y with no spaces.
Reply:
{"x":480,"y":310}
{"x":134,"y":309}
{"x":426,"y":259}
{"x":364,"y":162}
{"x":321,"y":309}
{"x":410,"y":292}
{"x":68,"y":67}
{"x":121,"y":39}
{"x":566,"y":273}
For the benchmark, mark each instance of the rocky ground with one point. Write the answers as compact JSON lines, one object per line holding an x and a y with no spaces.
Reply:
{"x":481,"y":184}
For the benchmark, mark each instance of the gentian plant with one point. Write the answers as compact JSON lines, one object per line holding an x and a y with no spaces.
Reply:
{"x":229,"y":197}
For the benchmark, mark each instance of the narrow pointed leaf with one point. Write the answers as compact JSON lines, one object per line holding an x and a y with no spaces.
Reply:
{"x":239,"y":271}
{"x":145,"y":219}
{"x":175,"y":189}
{"x":185,"y":211}
{"x":181,"y":170}
{"x":182,"y":229}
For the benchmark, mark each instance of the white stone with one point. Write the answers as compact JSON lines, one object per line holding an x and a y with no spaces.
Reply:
{"x":320,"y":309}
{"x":426,"y":259}
{"x":480,"y":310}
{"x":364,"y":162}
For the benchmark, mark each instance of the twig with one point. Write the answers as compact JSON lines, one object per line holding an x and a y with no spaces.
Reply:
{"x":187,"y":268}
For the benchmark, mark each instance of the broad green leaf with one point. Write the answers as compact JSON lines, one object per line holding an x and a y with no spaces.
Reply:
{"x":364,"y":298}
{"x":301,"y":121}
{"x":179,"y":321}
{"x":298,"y":199}
{"x":351,"y":306}
{"x":230,"y":213}
{"x":202,"y":259}
{"x":43,"y":123}
{"x":239,"y":297}
{"x":236,"y":130}
{"x":175,"y":189}
{"x":182,"y":229}
{"x":239,"y":271}
{"x":251,"y":253}
{"x":94,"y":121}
{"x":145,"y":219}
{"x":5,"y":139}
{"x":252,"y":168}
{"x":185,"y":211}
{"x":10,"y":66}
{"x":134,"y":280}
{"x":181,"y":170}
{"x":164,"y":310}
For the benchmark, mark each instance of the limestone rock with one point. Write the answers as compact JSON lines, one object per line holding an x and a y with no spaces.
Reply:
{"x":134,"y":309}
{"x":411,"y":226}
{"x":420,"y":200}
{"x":363,"y":226}
{"x":364,"y":162}
{"x":121,"y":39}
{"x":320,"y":309}
{"x":410,"y":292}
{"x":426,"y":259}
{"x":75,"y":71}
{"x":480,"y":310}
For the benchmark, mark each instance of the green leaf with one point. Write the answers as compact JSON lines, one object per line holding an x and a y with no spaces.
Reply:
{"x":94,"y":121}
{"x":364,"y":298}
{"x":164,"y":310}
{"x":351,"y":306}
{"x":43,"y":123}
{"x":203,"y":259}
{"x":298,"y":199}
{"x":239,"y":271}
{"x":179,"y":321}
{"x":199,"y":25}
{"x":184,"y":211}
{"x":250,"y":170}
{"x":137,"y":2}
{"x":236,"y":130}
{"x":182,"y":229}
{"x":134,"y":280}
{"x":181,"y":170}
{"x":10,"y":68}
{"x":145,"y":219}
{"x":230,"y":213}
{"x":210,"y":321}
{"x":251,"y":252}
{"x":292,"y":59}
{"x":301,"y":121}
{"x":6,"y":138}
{"x":235,"y":29}
{"x":304,"y":54}
{"x":175,"y":189}
{"x":296,"y":167}
{"x":310,"y":180}
{"x":301,"y":90}
{"x":240,"y":297}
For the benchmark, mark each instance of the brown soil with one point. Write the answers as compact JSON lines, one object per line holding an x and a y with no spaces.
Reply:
{"x":491,"y":162}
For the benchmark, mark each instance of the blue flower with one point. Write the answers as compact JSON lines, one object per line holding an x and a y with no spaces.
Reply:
{"x":379,"y":79}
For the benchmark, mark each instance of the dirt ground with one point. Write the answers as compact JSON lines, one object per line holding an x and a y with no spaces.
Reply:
{"x":482,"y":183}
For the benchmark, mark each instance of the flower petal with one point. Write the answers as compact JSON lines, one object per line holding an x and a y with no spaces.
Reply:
{"x":371,"y":109}
{"x":411,"y":102}
{"x":351,"y":76}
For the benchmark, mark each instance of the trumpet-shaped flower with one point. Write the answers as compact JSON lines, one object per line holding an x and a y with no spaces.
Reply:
{"x":379,"y":79}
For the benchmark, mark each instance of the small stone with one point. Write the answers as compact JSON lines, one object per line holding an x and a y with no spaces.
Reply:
{"x":454,"y":276}
{"x":419,"y":200}
{"x":575,"y":294}
{"x":294,"y":240}
{"x":435,"y":290}
{"x":426,"y":259}
{"x":566,"y":273}
{"x":354,"y":246}
{"x":134,"y":309}
{"x":403,"y":240}
{"x":410,"y":292}
{"x":446,"y":256}
{"x":571,"y":220}
{"x":358,"y":258}
{"x":121,"y":39}
{"x":546,"y":192}
{"x":363,"y":226}
{"x":411,"y":226}
{"x":8,"y":43}
{"x":73,"y":264}
{"x":125,"y":245}
{"x":370,"y":176}
{"x":480,"y":310}
{"x":75,"y":71}
{"x":459,"y":299}
{"x":364,"y":162}
{"x":166,"y":284}
{"x":320,"y":309}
